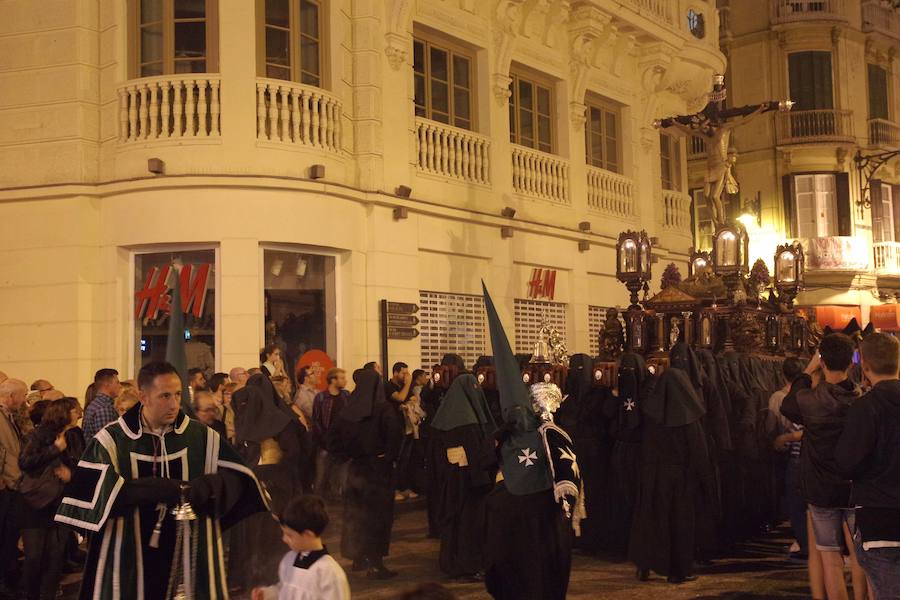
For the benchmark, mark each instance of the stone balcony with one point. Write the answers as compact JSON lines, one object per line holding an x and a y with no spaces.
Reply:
{"x":799,"y":11}
{"x":887,"y":258}
{"x":884,"y":133}
{"x":296,"y":114}
{"x":880,"y":18}
{"x":814,"y":126}
{"x":171,"y":107}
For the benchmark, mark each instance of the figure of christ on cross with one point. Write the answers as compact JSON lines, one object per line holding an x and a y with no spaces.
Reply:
{"x":714,"y":124}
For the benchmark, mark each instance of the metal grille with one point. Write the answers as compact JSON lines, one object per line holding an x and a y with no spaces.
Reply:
{"x":529,"y":314}
{"x":451,"y":323}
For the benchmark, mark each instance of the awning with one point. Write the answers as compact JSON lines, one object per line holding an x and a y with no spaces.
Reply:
{"x":885,"y":317}
{"x":836,"y":317}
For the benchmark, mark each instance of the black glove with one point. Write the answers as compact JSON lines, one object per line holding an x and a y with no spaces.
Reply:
{"x":149,"y":490}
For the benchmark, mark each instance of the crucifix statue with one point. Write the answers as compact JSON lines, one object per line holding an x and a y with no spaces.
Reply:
{"x":714,"y":124}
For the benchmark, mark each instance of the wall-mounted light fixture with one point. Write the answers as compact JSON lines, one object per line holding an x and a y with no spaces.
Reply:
{"x":508,"y":212}
{"x":317,"y":172}
{"x":506,"y":232}
{"x":156,"y":166}
{"x":400,"y":212}
{"x":404,"y":191}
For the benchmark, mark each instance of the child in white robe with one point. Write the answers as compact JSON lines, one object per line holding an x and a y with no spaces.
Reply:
{"x":307,"y":572}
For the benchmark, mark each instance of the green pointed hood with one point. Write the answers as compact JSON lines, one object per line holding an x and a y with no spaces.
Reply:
{"x":523,"y":460}
{"x":464,"y":404}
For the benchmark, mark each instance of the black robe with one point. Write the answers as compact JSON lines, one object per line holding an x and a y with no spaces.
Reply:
{"x":528,"y":546}
{"x":368,"y":433}
{"x":675,"y":468}
{"x":463,"y":421}
{"x":581,"y":415}
{"x":624,"y":416}
{"x":256,"y":548}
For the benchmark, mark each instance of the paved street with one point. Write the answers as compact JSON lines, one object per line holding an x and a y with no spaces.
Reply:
{"x":759,"y":572}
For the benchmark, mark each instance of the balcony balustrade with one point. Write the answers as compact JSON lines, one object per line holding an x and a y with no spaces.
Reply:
{"x":609,"y":192}
{"x":293,"y":113}
{"x":169,"y":107}
{"x":877,"y":17}
{"x":811,"y":126}
{"x":786,"y":11}
{"x":676,"y":211}
{"x":887,"y":258}
{"x":884,"y":133}
{"x":452,"y":152}
{"x":539,"y":174}
{"x":657,"y":10}
{"x":696,"y":148}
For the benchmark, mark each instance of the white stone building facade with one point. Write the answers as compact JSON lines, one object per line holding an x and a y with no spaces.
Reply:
{"x":319,"y":156}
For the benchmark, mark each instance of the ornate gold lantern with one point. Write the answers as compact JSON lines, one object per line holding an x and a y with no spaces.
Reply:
{"x":633,"y":260}
{"x":730,"y":249}
{"x":789,"y":265}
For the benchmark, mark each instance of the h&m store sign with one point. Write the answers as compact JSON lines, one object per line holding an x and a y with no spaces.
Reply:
{"x":542,"y":284}
{"x":155,"y":297}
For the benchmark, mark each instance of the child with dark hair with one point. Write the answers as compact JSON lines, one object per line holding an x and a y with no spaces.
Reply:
{"x":307,"y":572}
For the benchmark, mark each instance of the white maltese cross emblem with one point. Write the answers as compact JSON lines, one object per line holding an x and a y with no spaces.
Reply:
{"x":528,"y":457}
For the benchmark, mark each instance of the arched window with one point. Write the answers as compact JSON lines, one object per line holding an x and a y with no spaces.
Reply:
{"x":174,"y":36}
{"x":289,"y":40}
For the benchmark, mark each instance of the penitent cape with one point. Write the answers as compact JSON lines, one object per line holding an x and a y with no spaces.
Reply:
{"x":121,"y":562}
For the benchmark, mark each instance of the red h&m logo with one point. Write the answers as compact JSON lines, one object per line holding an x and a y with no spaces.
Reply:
{"x":155,"y":297}
{"x":542,"y":284}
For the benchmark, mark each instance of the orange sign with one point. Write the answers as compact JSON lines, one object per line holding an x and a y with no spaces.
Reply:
{"x":886,"y":317}
{"x":836,"y":317}
{"x":319,"y":364}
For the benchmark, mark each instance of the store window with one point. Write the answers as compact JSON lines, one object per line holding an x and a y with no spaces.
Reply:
{"x":154,"y":279}
{"x":443,"y":84}
{"x":290,"y":40}
{"x":451,"y":323}
{"x":670,"y":162}
{"x":530,"y":113}
{"x":175,"y":36}
{"x":300,"y":304}
{"x":529,"y":315}
{"x":602,"y":135}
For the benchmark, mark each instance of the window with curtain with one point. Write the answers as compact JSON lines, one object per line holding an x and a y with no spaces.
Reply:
{"x":291,"y":40}
{"x":530,"y":114}
{"x":810,"y":80}
{"x":443,"y":84}
{"x":175,"y":36}
{"x":670,"y":162}
{"x":878,"y":92}
{"x":882,"y":197}
{"x":602,"y":138}
{"x":815,"y":201}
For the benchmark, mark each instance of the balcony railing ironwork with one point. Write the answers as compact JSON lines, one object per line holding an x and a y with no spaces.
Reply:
{"x":880,"y":18}
{"x":887,"y":258}
{"x":884,"y":133}
{"x":786,"y":11}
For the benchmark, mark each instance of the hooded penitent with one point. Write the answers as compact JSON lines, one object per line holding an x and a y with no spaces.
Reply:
{"x":523,"y":460}
{"x":463,"y":404}
{"x":675,"y":400}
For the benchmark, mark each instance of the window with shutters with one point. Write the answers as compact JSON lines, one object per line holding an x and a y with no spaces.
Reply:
{"x":602,"y":138}
{"x":529,"y":315}
{"x":815,"y":201}
{"x":174,"y":36}
{"x":531,"y":113}
{"x":290,"y":40}
{"x":451,"y":323}
{"x":703,"y":223}
{"x":883,"y":213}
{"x":443,"y":84}
{"x":810,"y":80}
{"x":878,"y":92}
{"x":670,"y":161}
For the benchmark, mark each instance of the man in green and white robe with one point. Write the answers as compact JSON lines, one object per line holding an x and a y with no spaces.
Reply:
{"x":131,"y":476}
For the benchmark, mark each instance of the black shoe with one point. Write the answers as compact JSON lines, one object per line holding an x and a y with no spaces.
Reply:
{"x":677,"y":579}
{"x":380,"y":572}
{"x":642,"y":574}
{"x":360,"y":564}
